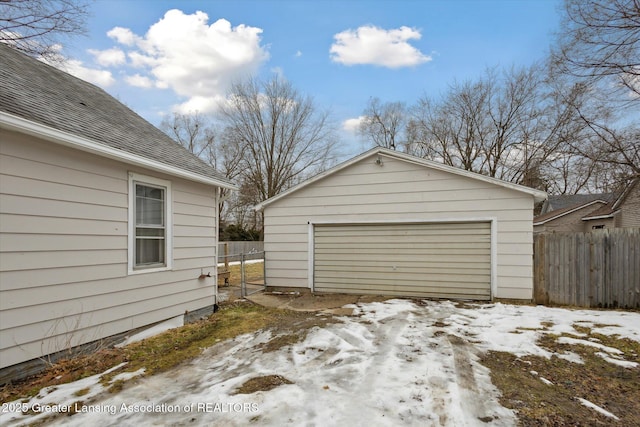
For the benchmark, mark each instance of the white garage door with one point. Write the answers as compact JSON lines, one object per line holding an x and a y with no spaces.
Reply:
{"x":441,"y":260}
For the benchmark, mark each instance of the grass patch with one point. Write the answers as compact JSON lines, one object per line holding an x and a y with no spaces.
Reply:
{"x":280,"y":341}
{"x":116,"y":386}
{"x":264,"y":383}
{"x":81,"y":392}
{"x":609,"y":386}
{"x":253,"y":272}
{"x":62,"y":372}
{"x":162,"y":352}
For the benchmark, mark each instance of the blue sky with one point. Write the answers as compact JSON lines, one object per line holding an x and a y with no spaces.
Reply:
{"x":161,"y":56}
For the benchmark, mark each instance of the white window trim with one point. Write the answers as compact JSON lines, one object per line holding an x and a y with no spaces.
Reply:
{"x":168,"y":214}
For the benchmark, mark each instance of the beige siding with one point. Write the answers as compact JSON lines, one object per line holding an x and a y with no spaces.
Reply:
{"x":629,"y":215}
{"x":589,"y":225}
{"x":570,"y":222}
{"x":63,"y":250}
{"x":442,"y":260}
{"x":400,"y":191}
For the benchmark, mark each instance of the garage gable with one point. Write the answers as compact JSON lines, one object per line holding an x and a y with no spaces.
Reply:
{"x":379,"y":156}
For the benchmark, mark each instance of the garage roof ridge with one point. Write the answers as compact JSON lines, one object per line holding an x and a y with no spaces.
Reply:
{"x":538,"y":195}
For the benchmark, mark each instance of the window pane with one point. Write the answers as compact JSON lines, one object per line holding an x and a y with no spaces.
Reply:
{"x":149,"y":211}
{"x":149,"y":232}
{"x":149,"y":251}
{"x":149,"y":192}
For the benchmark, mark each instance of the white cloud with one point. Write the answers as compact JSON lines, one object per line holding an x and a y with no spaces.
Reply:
{"x":194,"y":59}
{"x":101,"y":78}
{"x":352,"y":125}
{"x":139,"y":60}
{"x":377,"y":46}
{"x":123,"y":36}
{"x":199,"y":103}
{"x":74,"y":67}
{"x":139,"y":81}
{"x":298,"y":54}
{"x":109,"y":57}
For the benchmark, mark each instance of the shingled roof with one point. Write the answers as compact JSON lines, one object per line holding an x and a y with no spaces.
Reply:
{"x":563,"y":201}
{"x":42,"y":94}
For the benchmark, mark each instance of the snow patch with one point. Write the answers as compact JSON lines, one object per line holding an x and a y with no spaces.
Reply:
{"x":619,"y":362}
{"x":173,"y":323}
{"x":597,"y":408}
{"x":574,"y":341}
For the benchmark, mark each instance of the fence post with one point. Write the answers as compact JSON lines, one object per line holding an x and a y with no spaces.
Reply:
{"x":540,"y":294}
{"x":243,"y":282}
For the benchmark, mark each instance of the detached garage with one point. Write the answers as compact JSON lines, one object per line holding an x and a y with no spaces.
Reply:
{"x":387,"y":223}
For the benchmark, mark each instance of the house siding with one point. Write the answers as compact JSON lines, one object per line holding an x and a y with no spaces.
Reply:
{"x":588,"y":225}
{"x":629,"y":215}
{"x":571,"y":222}
{"x":399,"y":191}
{"x":63,"y":250}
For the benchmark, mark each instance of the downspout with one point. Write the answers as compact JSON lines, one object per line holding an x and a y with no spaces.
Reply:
{"x":218,"y":190}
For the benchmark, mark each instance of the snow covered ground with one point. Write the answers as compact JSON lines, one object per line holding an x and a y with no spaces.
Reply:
{"x":394,"y":363}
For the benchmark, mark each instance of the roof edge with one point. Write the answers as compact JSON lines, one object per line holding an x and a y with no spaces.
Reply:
{"x":605,"y":216}
{"x":623,"y":195}
{"x":19,"y":124}
{"x":567,"y":212}
{"x":538,"y":195}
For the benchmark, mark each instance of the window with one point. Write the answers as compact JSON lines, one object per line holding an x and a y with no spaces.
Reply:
{"x":597,"y":227}
{"x":149,"y":224}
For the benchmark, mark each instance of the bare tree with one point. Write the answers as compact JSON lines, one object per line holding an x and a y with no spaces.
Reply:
{"x":599,"y":48}
{"x":282,"y":135}
{"x":454,"y":129}
{"x":609,"y":135}
{"x":617,"y":147}
{"x":192,"y":132}
{"x":37,"y":27}
{"x":517,"y":126}
{"x":384,"y":123}
{"x":197,"y":134}
{"x":601,"y":39}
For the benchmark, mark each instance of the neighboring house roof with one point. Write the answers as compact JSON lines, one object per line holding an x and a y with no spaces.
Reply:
{"x":562,"y":201}
{"x":609,"y":210}
{"x":562,"y":205}
{"x":537,"y":194}
{"x":41,"y":100}
{"x":550,"y":216}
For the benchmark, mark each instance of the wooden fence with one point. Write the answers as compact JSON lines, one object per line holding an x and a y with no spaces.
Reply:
{"x":234,"y":249}
{"x":597,"y":269}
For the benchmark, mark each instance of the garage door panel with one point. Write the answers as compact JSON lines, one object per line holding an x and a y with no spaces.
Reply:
{"x":439,"y":258}
{"x":409,"y":276}
{"x":404,"y":271}
{"x":395,"y":228}
{"x":419,"y":259}
{"x":369,"y":263}
{"x":387,"y":253}
{"x":378,"y":245}
{"x":416,"y":234}
{"x":444,"y":291}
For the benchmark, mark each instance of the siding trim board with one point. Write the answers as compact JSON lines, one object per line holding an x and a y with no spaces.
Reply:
{"x":439,"y":289}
